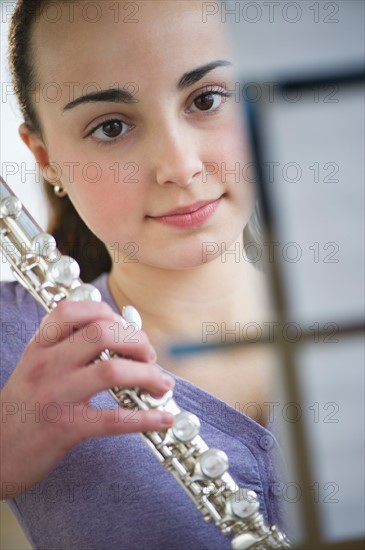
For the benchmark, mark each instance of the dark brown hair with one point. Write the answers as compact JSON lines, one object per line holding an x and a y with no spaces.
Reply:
{"x":73,"y":236}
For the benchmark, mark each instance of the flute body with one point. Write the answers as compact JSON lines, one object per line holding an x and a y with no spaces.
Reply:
{"x":201,"y":471}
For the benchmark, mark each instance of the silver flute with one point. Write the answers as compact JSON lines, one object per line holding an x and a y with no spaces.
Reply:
{"x":200,"y":470}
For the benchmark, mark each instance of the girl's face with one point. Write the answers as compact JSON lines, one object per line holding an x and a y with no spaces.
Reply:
{"x":137,"y":121}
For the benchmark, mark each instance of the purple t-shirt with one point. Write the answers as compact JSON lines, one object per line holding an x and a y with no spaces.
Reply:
{"x":111,"y":492}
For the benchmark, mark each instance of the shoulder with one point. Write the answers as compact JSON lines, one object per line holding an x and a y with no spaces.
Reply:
{"x":17,"y":303}
{"x":20,"y":315}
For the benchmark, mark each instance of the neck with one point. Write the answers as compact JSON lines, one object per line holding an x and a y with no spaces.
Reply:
{"x":177,"y":304}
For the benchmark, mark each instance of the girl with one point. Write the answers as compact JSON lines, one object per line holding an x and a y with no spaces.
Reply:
{"x":138,"y":148}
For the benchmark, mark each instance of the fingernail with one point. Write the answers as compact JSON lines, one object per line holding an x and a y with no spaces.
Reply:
{"x":167,"y":419}
{"x":168,"y":382}
{"x":153,"y":354}
{"x":119,"y":319}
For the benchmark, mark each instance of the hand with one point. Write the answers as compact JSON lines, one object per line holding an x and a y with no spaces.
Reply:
{"x":45,"y":399}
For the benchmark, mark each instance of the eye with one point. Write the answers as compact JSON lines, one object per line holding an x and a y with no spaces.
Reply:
{"x":209,"y":101}
{"x":109,"y":130}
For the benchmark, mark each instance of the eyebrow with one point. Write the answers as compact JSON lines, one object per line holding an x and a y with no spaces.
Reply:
{"x":113,"y":95}
{"x":190,"y":78}
{"x":117,"y":95}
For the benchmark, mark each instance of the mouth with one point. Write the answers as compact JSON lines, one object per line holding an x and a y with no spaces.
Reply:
{"x":189,"y":216}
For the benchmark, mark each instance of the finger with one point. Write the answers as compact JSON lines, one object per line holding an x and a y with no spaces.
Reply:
{"x":68,"y":317}
{"x":123,"y":373}
{"x":85,"y":345}
{"x":120,"y":421}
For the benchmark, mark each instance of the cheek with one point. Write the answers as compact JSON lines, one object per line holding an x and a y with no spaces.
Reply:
{"x":108,"y":196}
{"x":233,"y":168}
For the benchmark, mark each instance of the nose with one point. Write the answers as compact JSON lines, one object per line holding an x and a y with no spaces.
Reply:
{"x":176,"y":155}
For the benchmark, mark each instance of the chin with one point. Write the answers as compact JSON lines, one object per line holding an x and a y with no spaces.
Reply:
{"x":198,"y":252}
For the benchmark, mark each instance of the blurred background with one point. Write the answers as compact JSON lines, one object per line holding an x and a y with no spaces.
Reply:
{"x":312,"y":144}
{"x":302,"y":85}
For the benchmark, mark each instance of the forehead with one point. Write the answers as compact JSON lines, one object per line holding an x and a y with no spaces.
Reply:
{"x":105,"y":41}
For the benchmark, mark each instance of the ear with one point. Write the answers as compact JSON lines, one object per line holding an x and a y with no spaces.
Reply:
{"x":35,"y":143}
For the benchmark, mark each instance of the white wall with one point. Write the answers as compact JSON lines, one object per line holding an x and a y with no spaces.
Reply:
{"x":17,"y":165}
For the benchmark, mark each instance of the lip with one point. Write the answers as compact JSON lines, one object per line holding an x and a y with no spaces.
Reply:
{"x":189,"y":216}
